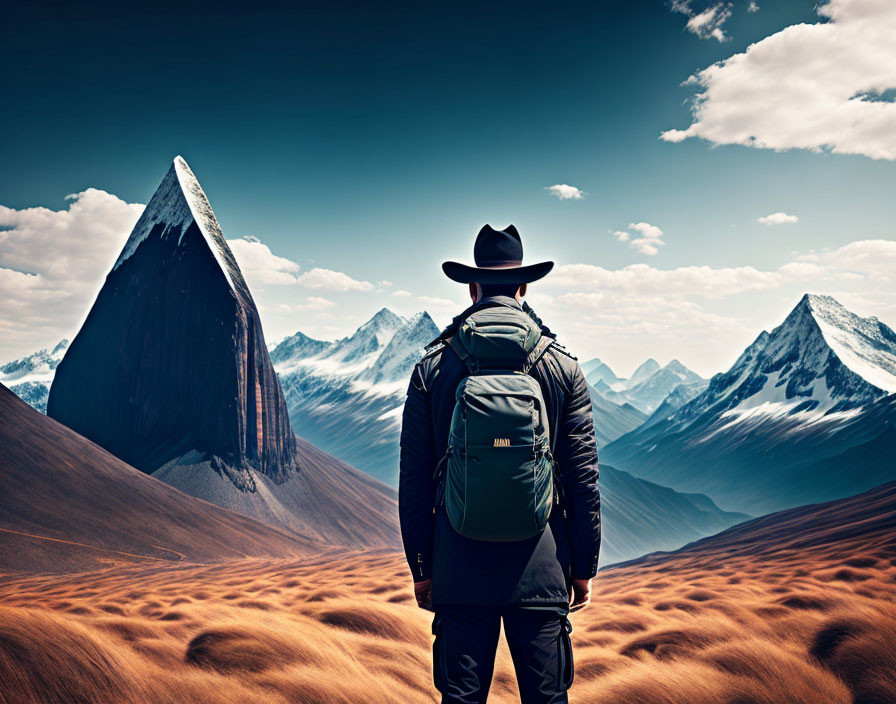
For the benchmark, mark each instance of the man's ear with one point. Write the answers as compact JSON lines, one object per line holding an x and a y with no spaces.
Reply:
{"x":522,"y":291}
{"x":475,"y":292}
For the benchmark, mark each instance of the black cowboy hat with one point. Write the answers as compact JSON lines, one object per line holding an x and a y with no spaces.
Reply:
{"x":499,"y":260}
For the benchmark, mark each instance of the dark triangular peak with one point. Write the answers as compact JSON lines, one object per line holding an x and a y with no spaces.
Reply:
{"x":171,"y":361}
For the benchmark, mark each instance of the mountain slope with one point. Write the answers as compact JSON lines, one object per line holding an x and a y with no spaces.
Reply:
{"x":358,"y":382}
{"x":595,"y":371}
{"x":612,"y":420}
{"x":68,"y":505}
{"x":791,"y":400}
{"x":649,"y":394}
{"x":867,"y":519}
{"x":639,"y":516}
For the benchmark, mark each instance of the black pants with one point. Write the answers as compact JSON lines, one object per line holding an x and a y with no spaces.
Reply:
{"x":466,"y":641}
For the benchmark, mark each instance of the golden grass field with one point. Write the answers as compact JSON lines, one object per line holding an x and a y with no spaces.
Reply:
{"x":816,"y":625}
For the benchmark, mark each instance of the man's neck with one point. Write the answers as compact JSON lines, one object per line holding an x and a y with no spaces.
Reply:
{"x":499,"y":300}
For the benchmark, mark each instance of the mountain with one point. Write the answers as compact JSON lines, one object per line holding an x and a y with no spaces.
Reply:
{"x":647,"y":395}
{"x":675,"y":399}
{"x":610,"y":419}
{"x":170,"y":373}
{"x":849,"y":527}
{"x":639,"y":516}
{"x":68,"y":505}
{"x":646,"y":389}
{"x":30,"y":377}
{"x":643,"y":372}
{"x":597,"y":371}
{"x":765,"y":435}
{"x":358,"y":382}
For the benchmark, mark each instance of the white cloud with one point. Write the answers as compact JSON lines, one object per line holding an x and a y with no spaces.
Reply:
{"x":778,"y":219}
{"x":874,"y":259}
{"x":565,"y":192}
{"x":401,"y":293}
{"x":260,"y":266}
{"x":437,"y":302}
{"x":315,"y":303}
{"x":332,"y":281}
{"x":708,"y":23}
{"x":645,"y":280}
{"x":810,"y":86}
{"x":52,"y":264}
{"x":650,"y":239}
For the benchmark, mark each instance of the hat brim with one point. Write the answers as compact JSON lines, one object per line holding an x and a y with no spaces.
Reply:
{"x":465,"y":274}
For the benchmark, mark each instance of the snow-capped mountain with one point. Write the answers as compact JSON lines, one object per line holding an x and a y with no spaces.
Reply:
{"x":358,"y":382}
{"x":648,"y":394}
{"x":810,"y":390}
{"x":30,"y":377}
{"x":646,"y":389}
{"x":170,"y":372}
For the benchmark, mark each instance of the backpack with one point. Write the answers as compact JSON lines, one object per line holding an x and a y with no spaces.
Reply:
{"x":498,"y":482}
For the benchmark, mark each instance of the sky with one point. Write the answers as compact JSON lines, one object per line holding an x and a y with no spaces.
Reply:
{"x":692,"y":167}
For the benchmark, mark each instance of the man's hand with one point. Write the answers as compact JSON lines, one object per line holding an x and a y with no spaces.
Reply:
{"x":581,"y":594}
{"x":423,"y":592}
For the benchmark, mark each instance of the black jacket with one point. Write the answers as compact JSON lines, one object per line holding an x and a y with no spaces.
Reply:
{"x":464,"y":571}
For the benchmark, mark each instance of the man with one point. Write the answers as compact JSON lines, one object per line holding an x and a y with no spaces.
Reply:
{"x":498,"y":497}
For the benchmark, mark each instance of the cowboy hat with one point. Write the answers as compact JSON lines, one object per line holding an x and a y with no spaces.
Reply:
{"x":499,"y":260}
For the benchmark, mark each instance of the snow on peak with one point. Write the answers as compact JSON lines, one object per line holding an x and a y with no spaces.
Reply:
{"x":376,"y":359}
{"x":822,"y":361}
{"x":38,"y":366}
{"x":864,"y":345}
{"x":178,"y":202}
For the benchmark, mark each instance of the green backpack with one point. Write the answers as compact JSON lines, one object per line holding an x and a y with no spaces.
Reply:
{"x":498,"y":480}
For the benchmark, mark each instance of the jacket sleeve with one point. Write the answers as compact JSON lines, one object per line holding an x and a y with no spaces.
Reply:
{"x":415,"y":482}
{"x":577,"y":458}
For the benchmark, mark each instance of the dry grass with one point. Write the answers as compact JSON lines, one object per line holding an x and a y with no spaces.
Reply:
{"x":815,"y":628}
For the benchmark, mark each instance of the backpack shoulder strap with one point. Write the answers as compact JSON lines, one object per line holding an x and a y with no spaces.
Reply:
{"x":465,"y":357}
{"x":537,"y":353}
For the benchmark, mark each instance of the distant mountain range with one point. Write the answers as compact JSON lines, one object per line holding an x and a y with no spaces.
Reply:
{"x":347,"y":396}
{"x":30,"y":377}
{"x":806,"y":414}
{"x":648,"y":387}
{"x":639,"y":516}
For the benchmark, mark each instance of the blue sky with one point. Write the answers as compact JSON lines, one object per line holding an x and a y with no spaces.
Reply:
{"x":375,"y":142}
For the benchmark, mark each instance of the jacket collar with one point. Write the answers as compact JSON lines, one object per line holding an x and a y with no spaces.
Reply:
{"x":490,"y":302}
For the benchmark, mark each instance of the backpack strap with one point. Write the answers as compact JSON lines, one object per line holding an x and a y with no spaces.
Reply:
{"x":464,"y":355}
{"x":537,"y":353}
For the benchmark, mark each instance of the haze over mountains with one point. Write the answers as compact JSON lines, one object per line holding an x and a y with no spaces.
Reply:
{"x":805,"y":414}
{"x":648,"y":386}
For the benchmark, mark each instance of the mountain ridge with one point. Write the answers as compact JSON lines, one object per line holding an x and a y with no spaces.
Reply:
{"x":788,"y":401}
